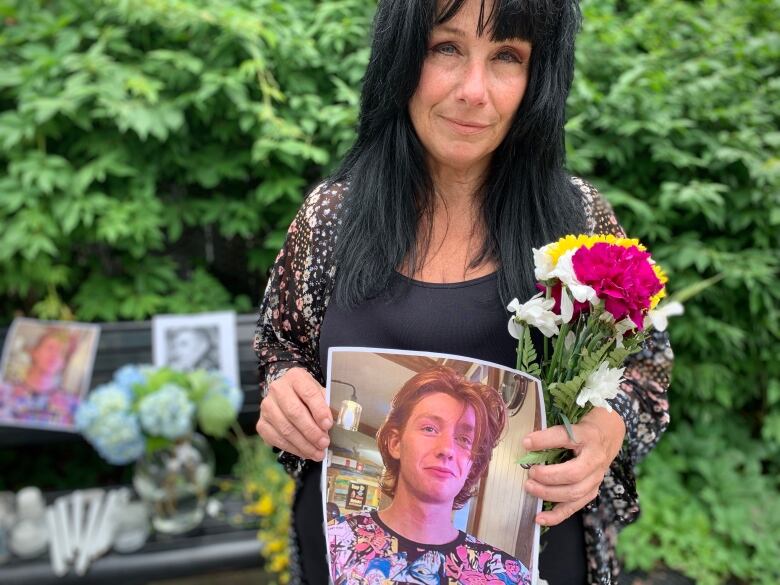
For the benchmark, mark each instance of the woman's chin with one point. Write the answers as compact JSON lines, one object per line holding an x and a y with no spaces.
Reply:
{"x":463,"y":159}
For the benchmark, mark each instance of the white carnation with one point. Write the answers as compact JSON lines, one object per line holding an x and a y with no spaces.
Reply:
{"x":601,"y":385}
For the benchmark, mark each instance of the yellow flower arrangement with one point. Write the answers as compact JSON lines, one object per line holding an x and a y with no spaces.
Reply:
{"x":269,"y":492}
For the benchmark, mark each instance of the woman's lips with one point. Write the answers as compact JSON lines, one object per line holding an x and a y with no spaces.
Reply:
{"x":464,"y":126}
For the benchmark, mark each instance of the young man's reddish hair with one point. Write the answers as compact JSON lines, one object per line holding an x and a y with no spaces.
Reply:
{"x":489,"y":411}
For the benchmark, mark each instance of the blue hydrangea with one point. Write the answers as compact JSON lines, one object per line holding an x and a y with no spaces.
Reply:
{"x":117,"y":437}
{"x":168,"y":412}
{"x":86,"y":414}
{"x":130,"y":375}
{"x":226,"y":388}
{"x":101,"y":401}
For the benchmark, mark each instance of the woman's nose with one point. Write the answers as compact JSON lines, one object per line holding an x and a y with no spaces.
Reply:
{"x":473,"y":89}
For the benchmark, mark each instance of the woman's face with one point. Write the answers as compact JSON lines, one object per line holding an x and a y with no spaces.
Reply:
{"x":469,"y":91}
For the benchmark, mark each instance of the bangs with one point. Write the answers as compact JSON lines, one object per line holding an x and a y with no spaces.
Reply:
{"x":527,"y":20}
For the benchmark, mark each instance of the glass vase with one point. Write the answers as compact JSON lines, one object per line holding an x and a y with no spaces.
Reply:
{"x":174,"y":482}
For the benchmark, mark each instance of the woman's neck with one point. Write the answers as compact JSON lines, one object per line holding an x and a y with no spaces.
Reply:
{"x":418,"y":521}
{"x":457,"y":189}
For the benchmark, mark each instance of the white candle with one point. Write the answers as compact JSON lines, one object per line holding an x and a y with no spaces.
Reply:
{"x":55,"y":543}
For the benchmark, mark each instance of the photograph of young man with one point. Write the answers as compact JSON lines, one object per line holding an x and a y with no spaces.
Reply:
{"x":436,"y":444}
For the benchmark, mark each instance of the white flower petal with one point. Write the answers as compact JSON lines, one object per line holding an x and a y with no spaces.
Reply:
{"x":543,"y":264}
{"x":583,"y":293}
{"x":601,"y":385}
{"x":536,"y":312}
{"x":659,"y":317}
{"x":568,"y":342}
{"x":567,"y":307}
{"x":515,"y":329}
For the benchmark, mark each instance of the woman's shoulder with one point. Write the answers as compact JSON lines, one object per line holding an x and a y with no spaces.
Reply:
{"x":313,"y":230}
{"x":599,"y":216}
{"x":321,"y":208}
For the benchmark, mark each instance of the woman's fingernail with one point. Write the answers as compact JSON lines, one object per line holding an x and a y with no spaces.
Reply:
{"x":326,"y":423}
{"x":323,"y":443}
{"x":527,"y":443}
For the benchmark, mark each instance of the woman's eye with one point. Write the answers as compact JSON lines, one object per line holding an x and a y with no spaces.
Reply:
{"x":429,"y":429}
{"x":445,"y":49}
{"x":508,"y":57}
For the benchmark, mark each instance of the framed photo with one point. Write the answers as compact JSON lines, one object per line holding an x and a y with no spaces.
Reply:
{"x":191,"y":342}
{"x":45,"y":372}
{"x":421,"y":476}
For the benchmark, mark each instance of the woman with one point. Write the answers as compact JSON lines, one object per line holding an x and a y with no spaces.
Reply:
{"x":425,"y":233}
{"x":436,"y":444}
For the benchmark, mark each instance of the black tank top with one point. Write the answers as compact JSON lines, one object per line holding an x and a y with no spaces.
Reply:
{"x":464,"y":318}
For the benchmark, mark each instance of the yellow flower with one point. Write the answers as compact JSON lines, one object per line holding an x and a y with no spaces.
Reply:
{"x":278,"y":563}
{"x":263,"y":507}
{"x":572,"y":242}
{"x":276,"y":545}
{"x":659,"y":272}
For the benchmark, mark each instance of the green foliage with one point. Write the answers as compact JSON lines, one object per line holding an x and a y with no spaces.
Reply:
{"x":674,"y":116}
{"x":527,"y":361}
{"x":709,"y":508}
{"x":138,"y":136}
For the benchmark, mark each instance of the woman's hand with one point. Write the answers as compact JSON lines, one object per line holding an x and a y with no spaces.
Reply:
{"x":576,"y":482}
{"x":294,"y":415}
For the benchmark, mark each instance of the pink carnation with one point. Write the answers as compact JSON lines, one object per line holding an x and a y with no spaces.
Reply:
{"x":622,"y":278}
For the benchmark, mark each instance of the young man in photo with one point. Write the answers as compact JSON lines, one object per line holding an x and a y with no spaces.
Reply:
{"x":436,"y":444}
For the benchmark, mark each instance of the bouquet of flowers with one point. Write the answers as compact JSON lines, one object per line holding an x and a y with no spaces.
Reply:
{"x":144,"y":409}
{"x":598,"y":296}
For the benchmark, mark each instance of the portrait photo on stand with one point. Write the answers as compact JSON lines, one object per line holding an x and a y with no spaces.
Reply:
{"x":199,"y":341}
{"x":421,"y":480}
{"x":45,"y":372}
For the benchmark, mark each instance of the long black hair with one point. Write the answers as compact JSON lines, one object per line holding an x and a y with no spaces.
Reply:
{"x":527,"y":198}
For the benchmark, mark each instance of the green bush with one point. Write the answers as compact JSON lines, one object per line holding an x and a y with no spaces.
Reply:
{"x":152,"y":153}
{"x":674,"y":116}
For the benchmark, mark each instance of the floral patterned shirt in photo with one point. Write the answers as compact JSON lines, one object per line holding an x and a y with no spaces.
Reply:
{"x":365,"y":551}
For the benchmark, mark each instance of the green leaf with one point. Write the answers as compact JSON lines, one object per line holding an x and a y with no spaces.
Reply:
{"x":541,"y":457}
{"x":567,"y":425}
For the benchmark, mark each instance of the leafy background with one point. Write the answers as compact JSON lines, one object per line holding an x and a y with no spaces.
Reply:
{"x":152,"y":153}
